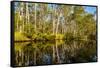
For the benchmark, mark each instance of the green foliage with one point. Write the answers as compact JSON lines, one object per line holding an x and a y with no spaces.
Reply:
{"x":53,"y":22}
{"x":19,"y":36}
{"x":59,"y":36}
{"x":43,"y":36}
{"x":29,"y":30}
{"x":51,"y":37}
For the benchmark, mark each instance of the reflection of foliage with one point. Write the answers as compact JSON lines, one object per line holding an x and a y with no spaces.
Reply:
{"x":69,"y":52}
{"x":19,"y":46}
{"x":89,"y":51}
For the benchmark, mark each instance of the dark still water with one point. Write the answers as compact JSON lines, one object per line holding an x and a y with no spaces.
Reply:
{"x":54,"y":52}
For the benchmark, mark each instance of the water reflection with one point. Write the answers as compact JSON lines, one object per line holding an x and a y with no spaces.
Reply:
{"x":54,"y":52}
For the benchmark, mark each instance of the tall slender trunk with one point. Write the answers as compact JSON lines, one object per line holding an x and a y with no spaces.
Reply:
{"x":62,"y":27}
{"x":27,"y":16}
{"x":17,"y":21}
{"x":35,"y":17}
{"x":53,"y":26}
{"x":53,"y":20}
{"x":22,"y":17}
{"x":57,"y":23}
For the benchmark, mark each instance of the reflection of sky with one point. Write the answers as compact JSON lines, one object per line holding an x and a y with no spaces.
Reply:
{"x":90,"y":9}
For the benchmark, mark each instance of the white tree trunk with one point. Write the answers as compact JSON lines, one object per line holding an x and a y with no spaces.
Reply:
{"x":35,"y":17}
